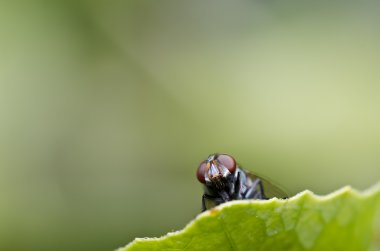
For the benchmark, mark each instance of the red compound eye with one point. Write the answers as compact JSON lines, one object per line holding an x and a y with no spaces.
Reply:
{"x":201,"y":172}
{"x":227,"y":161}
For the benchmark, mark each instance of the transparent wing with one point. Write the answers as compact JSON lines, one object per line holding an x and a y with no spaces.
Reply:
{"x":270,"y":190}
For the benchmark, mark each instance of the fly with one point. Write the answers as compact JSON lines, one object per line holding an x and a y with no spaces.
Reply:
{"x":224,"y":181}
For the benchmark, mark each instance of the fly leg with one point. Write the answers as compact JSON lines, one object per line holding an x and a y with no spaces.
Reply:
{"x":256,"y":191}
{"x":238,"y":195}
{"x":216,"y":201}
{"x":204,"y":196}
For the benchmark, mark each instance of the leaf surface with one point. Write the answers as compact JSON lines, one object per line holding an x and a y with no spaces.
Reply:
{"x":343,"y":220}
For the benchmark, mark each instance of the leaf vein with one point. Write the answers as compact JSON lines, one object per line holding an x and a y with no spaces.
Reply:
{"x":226,"y":233}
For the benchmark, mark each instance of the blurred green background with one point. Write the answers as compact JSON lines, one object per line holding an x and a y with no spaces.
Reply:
{"x":107,"y":108}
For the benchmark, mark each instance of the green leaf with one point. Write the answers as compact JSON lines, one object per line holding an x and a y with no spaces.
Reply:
{"x":343,"y":220}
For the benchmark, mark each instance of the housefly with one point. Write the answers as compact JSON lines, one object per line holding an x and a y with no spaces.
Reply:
{"x":224,"y":181}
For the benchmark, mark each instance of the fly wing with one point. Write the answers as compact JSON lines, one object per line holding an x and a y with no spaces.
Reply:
{"x":270,"y":190}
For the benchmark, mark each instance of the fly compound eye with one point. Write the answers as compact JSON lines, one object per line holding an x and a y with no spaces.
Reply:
{"x":227,"y":161}
{"x":201,"y":172}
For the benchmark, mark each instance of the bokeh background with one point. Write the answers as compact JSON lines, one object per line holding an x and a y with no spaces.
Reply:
{"x":107,"y":108}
